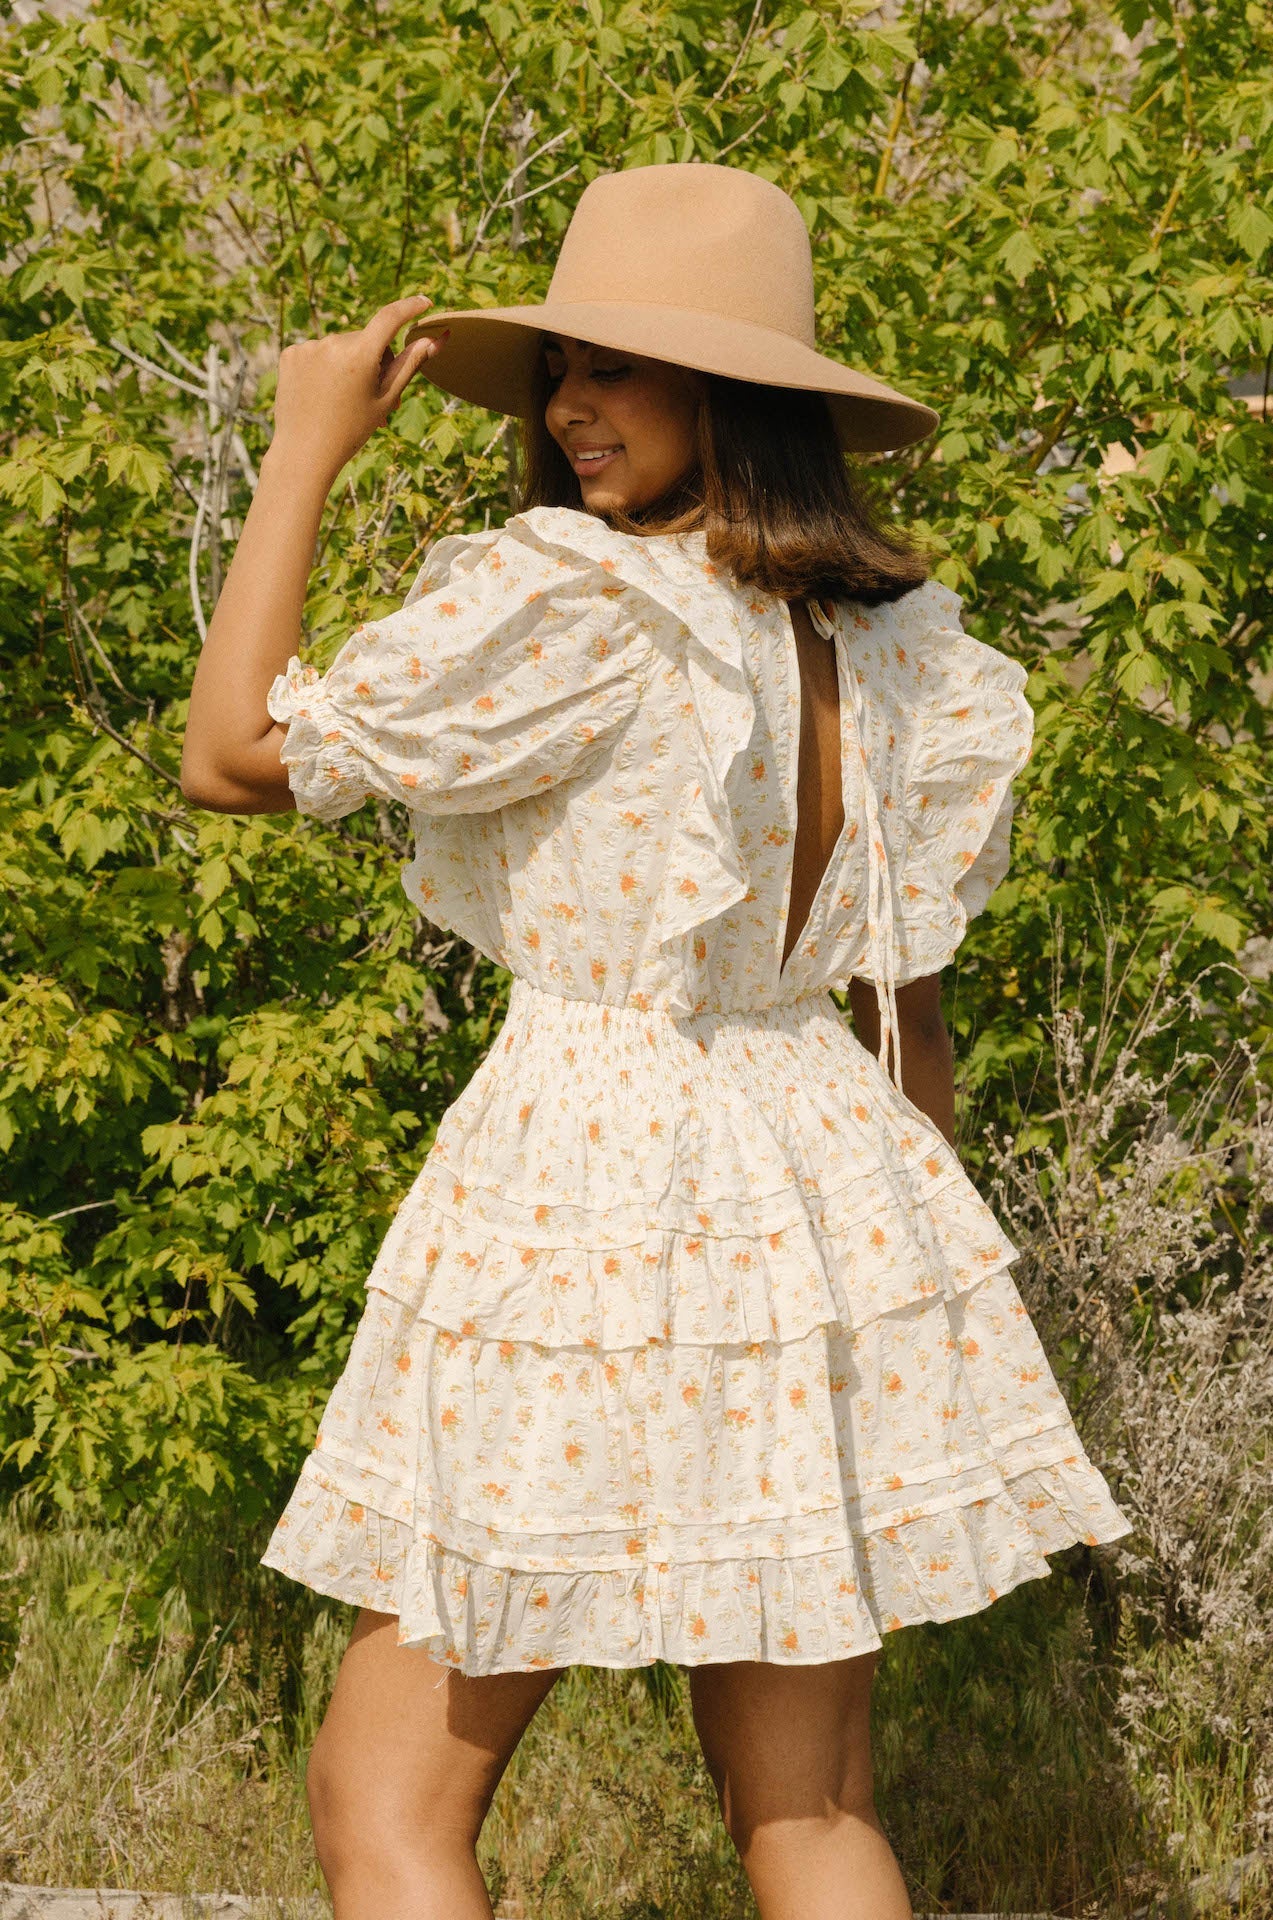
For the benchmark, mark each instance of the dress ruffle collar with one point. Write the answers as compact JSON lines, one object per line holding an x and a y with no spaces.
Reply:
{"x":706,"y":872}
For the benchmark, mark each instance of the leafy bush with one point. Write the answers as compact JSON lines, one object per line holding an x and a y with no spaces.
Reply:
{"x":224,"y":1042}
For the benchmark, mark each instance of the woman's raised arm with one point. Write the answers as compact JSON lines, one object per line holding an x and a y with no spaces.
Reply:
{"x":332,"y":395}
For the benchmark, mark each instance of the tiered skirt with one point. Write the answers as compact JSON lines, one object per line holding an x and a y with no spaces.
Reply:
{"x":691,"y":1341}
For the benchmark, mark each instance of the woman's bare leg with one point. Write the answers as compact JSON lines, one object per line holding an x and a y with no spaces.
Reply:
{"x":403,"y":1772}
{"x":789,"y":1751}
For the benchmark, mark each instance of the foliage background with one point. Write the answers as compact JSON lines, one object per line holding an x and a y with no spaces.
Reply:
{"x":225,"y":1043}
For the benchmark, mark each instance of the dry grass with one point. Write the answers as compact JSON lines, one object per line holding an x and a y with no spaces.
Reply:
{"x":1003,"y":1781}
{"x":124,"y":1764}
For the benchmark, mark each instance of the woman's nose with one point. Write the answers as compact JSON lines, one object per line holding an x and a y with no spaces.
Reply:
{"x":569,"y":403}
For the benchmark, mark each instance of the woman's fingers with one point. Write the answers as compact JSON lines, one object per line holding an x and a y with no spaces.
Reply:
{"x":406,"y":366}
{"x":395,"y":370}
{"x":382,"y":327}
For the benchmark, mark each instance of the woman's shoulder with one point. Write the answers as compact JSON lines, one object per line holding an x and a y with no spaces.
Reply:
{"x":576,"y":566}
{"x":920,"y":643}
{"x":570,"y":535}
{"x":527,"y":551}
{"x":574,"y":529}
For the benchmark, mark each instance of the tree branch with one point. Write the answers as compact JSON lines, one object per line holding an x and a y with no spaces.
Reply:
{"x":741,"y":55}
{"x":85,"y":684}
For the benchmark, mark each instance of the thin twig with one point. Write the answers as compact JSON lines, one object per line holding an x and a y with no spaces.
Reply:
{"x":1184,"y":79}
{"x":610,"y":80}
{"x":196,"y":540}
{"x":221,"y":480}
{"x":753,"y":128}
{"x":150,"y":366}
{"x":101,"y":653}
{"x":501,"y":200}
{"x":1050,"y":438}
{"x":1164,"y":218}
{"x":523,"y":125}
{"x":486,"y":126}
{"x":742,"y":51}
{"x":890,"y":138}
{"x":99,"y":719}
{"x":899,"y":111}
{"x":543,"y":187}
{"x":677,"y":115}
{"x":177,"y":354}
{"x":82,"y":672}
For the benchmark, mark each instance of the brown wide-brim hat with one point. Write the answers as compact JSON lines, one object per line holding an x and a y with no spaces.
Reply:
{"x":709,"y":267}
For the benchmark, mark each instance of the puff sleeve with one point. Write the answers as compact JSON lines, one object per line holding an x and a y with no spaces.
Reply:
{"x":512,"y":662}
{"x":967,"y":733}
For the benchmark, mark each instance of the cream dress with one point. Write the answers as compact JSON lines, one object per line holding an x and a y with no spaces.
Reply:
{"x":691,"y":1339}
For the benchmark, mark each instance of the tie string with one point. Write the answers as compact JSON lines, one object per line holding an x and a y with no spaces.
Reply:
{"x":879,"y":893}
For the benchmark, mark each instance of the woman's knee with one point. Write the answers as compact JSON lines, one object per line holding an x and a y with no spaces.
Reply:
{"x":787,"y":1745}
{"x":357,"y":1817}
{"x":778,"y":1821}
{"x":337,"y":1810}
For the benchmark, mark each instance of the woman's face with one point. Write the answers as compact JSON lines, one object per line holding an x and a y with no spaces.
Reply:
{"x":626,"y":424}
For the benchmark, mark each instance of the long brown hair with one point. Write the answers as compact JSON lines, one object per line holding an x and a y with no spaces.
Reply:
{"x":771,"y":488}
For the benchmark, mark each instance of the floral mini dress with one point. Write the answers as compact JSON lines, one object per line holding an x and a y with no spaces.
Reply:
{"x":691,"y":1339}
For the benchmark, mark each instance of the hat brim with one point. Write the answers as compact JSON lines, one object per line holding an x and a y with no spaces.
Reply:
{"x":490,"y":355}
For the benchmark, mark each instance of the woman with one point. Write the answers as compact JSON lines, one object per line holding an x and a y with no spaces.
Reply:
{"x":692,"y":1339}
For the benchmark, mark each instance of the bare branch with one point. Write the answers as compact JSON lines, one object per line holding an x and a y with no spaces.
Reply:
{"x":196,"y":540}
{"x":101,"y":653}
{"x":86,"y":685}
{"x":741,"y":55}
{"x":611,"y":81}
{"x":519,"y":133}
{"x":486,"y":127}
{"x":226,"y":454}
{"x":503,"y":199}
{"x":177,"y":355}
{"x":753,"y":128}
{"x":162,"y":373}
{"x":544,"y":185}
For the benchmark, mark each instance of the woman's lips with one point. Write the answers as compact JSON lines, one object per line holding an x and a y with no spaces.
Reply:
{"x":585,"y":467}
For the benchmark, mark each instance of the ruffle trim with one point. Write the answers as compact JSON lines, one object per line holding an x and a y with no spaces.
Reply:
{"x":474,"y":1261}
{"x":972,"y":731}
{"x":483,"y":1617}
{"x":705,"y":873}
{"x":336,"y":779}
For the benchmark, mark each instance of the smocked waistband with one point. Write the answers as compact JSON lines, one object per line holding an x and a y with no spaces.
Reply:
{"x":526,"y":996}
{"x":700,"y":1058}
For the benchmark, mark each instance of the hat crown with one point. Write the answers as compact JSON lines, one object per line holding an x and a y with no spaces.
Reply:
{"x":708,"y":239}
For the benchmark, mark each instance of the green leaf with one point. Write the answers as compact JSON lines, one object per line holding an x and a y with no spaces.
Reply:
{"x":1107,"y":585}
{"x":1214,"y":924}
{"x":48,"y":495}
{"x":1019,"y":255}
{"x":1252,"y":228}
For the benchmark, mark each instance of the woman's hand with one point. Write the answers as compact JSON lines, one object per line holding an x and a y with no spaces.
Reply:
{"x":335,"y":391}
